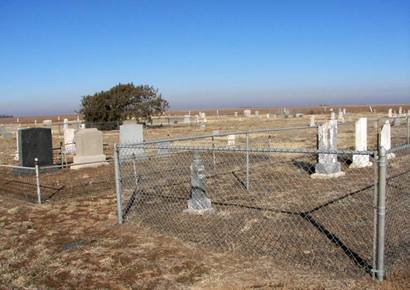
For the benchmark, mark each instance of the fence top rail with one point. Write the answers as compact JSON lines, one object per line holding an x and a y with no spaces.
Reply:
{"x":225,"y":134}
{"x":244,"y":149}
{"x":399,"y":148}
{"x":17,"y":167}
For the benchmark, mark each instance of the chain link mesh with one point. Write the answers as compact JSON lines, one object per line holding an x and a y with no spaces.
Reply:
{"x":397,"y":248}
{"x":272,"y":207}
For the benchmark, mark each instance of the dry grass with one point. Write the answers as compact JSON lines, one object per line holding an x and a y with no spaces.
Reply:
{"x":74,"y":242}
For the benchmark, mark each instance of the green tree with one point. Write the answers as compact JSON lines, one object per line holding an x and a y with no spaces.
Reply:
{"x":121,"y":102}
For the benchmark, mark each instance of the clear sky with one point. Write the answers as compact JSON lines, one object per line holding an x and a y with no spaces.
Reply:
{"x":204,"y":53}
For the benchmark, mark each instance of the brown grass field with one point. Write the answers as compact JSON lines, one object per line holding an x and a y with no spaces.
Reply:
{"x":72,"y":241}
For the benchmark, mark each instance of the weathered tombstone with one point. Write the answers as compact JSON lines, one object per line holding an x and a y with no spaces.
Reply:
{"x":371,"y":109}
{"x":332,"y":115}
{"x":344,"y":111}
{"x":385,"y":138}
{"x":231,"y":140}
{"x":360,"y":161}
{"x":327,"y":165}
{"x":89,"y":149}
{"x":47,"y":123}
{"x":236,"y":114}
{"x":341,"y":117}
{"x":65,"y":124}
{"x":131,"y":133}
{"x":199,"y":202}
{"x":400,"y":110}
{"x":390,"y":113}
{"x":187,"y":119}
{"x":268,"y":116}
{"x":396,"y":121}
{"x":69,"y":145}
{"x":312,"y":121}
{"x":35,"y":143}
{"x":247,"y":113}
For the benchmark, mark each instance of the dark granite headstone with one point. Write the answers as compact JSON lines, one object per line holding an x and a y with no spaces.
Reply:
{"x":35,"y":143}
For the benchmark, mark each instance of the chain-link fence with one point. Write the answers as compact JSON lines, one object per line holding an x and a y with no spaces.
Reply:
{"x":260,"y":201}
{"x":56,"y":182}
{"x":398,"y":208}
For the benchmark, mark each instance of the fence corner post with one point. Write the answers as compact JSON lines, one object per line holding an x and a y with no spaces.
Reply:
{"x":37,"y":170}
{"x":118,"y":184}
{"x":381,"y":213}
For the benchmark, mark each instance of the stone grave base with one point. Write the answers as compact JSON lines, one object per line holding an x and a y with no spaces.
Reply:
{"x":327,"y":176}
{"x":89,"y":161}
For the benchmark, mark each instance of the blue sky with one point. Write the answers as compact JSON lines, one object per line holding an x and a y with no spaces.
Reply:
{"x":204,"y":53}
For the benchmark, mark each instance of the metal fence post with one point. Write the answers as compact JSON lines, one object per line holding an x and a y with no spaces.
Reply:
{"x":118,"y":184}
{"x":37,"y":180}
{"x":381,"y":209}
{"x":134,"y":167}
{"x":247,"y":161}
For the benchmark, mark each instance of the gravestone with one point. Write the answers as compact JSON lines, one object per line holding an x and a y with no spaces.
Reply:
{"x":390,"y":113}
{"x":344,"y":111}
{"x":131,"y":133}
{"x":400,"y":110}
{"x":231,"y":140}
{"x":199,"y":202}
{"x":268,"y":116}
{"x":360,"y":161}
{"x":312,"y":121}
{"x":327,"y":165}
{"x":89,"y":149}
{"x":35,"y":143}
{"x":236,"y":114}
{"x":187,"y":119}
{"x":341,"y":117}
{"x":385,"y":138}
{"x":332,"y":115}
{"x":247,"y":113}
{"x":69,"y":145}
{"x":257,"y":114}
{"x":47,"y":123}
{"x":65,"y":124}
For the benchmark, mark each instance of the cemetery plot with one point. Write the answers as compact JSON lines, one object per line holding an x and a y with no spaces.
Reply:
{"x":325,"y":224}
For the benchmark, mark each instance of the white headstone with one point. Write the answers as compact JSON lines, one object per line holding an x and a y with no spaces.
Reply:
{"x":236,"y":114}
{"x":332,"y":115}
{"x":327,"y":165}
{"x":65,"y":124}
{"x":341,"y":117}
{"x":360,"y":161}
{"x":385,"y":138}
{"x":312,"y":121}
{"x":400,"y":110}
{"x":247,"y":113}
{"x":231,"y":140}
{"x":131,"y":133}
{"x":187,"y":119}
{"x":89,"y":149}
{"x":344,"y":111}
{"x":390,"y":114}
{"x":69,"y":145}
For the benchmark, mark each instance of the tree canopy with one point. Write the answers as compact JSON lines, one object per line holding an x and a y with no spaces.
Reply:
{"x":121,"y":102}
